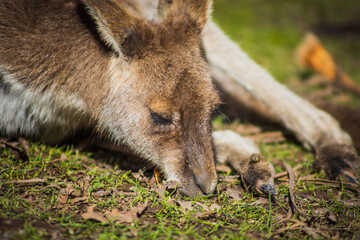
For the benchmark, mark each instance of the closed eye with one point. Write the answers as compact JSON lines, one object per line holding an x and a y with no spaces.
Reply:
{"x":159,"y":120}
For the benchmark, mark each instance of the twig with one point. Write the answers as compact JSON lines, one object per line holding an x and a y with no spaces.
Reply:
{"x":278,"y":176}
{"x":26,"y":181}
{"x":331,"y":183}
{"x":291,"y":189}
{"x":335,"y":184}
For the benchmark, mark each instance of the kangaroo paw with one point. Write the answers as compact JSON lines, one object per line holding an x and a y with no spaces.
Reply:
{"x":243,"y":156}
{"x":338,"y":161}
{"x":259,"y":174}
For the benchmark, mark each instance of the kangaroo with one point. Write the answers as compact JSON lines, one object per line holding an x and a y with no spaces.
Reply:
{"x":139,"y":74}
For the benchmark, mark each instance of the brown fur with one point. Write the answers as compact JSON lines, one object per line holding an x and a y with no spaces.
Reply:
{"x":108,"y":57}
{"x":64,"y":66}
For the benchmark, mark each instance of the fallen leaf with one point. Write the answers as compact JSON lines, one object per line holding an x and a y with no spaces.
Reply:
{"x":187,"y":205}
{"x":100,"y":193}
{"x":129,"y":216}
{"x":18,"y":152}
{"x":54,"y":185}
{"x":64,"y":195}
{"x":205,"y":215}
{"x":260,"y":201}
{"x":247,"y":129}
{"x":235,"y":194}
{"x":90,"y":214}
{"x":62,"y":200}
{"x":79,"y":199}
{"x":25,"y":145}
{"x":125,"y":187}
{"x":268,"y":137}
{"x":204,"y":206}
{"x":351,"y":203}
{"x":139,"y":209}
{"x":223,"y":168}
{"x":122,"y":217}
{"x":332,"y":218}
{"x":321,"y":211}
{"x":311,"y":232}
{"x":76,"y":194}
{"x":229,"y":179}
{"x":168,"y":186}
{"x":214,"y":207}
{"x":222,"y":186}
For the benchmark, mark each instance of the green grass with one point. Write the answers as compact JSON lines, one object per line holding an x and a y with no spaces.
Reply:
{"x":270,"y":31}
{"x":36,"y":206}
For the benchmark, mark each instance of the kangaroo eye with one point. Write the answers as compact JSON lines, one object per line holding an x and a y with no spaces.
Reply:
{"x":159,"y":120}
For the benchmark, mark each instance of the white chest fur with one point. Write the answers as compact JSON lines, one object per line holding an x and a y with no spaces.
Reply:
{"x":30,"y":113}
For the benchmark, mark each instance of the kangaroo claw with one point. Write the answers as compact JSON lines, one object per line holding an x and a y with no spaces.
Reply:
{"x":338,"y":161}
{"x":268,"y":189}
{"x":348,"y":177}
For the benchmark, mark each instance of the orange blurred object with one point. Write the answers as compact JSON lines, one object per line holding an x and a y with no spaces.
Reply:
{"x":312,"y":54}
{"x":158,"y":175}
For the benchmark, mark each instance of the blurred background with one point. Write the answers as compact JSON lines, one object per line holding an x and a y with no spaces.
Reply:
{"x":270,"y":31}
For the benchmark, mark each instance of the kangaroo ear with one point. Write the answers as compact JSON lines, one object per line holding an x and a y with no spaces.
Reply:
{"x":197,"y":10}
{"x":117,"y":27}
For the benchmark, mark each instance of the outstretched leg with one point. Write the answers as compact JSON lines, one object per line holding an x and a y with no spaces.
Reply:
{"x":242,"y":155}
{"x":313,"y":127}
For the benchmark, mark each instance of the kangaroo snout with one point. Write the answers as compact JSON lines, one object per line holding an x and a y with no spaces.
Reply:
{"x":206,"y":182}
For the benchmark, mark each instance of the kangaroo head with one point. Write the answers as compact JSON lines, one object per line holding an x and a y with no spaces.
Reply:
{"x":161,"y":96}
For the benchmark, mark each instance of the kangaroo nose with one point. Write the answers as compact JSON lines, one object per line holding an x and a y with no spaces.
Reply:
{"x":206,"y":182}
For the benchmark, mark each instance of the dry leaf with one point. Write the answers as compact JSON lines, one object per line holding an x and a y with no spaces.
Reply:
{"x":170,"y":186}
{"x":234,"y":193}
{"x":229,"y":179}
{"x":214,"y":207}
{"x":118,"y":217}
{"x":332,"y":218}
{"x":25,"y":144}
{"x":260,"y":201}
{"x":187,"y":205}
{"x":205,"y":215}
{"x":18,"y":152}
{"x":222,"y":186}
{"x":76,"y":194}
{"x":204,"y":206}
{"x":90,"y":214}
{"x":125,"y":188}
{"x":311,"y":232}
{"x":247,"y":129}
{"x":139,"y":209}
{"x":223,"y":168}
{"x":268,"y":137}
{"x":79,"y":199}
{"x":64,"y":195}
{"x":127,"y":217}
{"x":351,"y":203}
{"x":100,"y":193}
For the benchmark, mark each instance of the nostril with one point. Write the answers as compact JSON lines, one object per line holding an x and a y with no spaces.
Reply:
{"x":206,"y":182}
